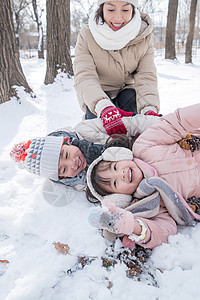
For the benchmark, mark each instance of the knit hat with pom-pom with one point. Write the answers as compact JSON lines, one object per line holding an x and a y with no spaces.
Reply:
{"x":39,"y":156}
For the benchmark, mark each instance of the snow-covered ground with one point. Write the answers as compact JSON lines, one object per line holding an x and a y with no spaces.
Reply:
{"x":29,"y":225}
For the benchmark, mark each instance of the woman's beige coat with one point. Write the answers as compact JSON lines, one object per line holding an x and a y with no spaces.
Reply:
{"x":94,"y":131}
{"x":97,"y":70}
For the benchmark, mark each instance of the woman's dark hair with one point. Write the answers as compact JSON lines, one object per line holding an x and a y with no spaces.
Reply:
{"x":99,"y":14}
{"x":117,"y":140}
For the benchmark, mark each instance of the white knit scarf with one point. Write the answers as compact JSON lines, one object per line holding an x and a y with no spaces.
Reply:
{"x":108,"y":39}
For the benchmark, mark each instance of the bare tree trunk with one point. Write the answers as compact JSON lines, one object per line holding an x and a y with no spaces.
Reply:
{"x":58,"y":39}
{"x":11,"y":72}
{"x":40,"y":29}
{"x":190,"y":36}
{"x":18,"y":7}
{"x":16,"y":14}
{"x":170,"y":50}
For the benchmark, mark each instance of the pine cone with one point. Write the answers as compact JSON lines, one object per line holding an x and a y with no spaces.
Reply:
{"x":194,"y":203}
{"x":191,"y":142}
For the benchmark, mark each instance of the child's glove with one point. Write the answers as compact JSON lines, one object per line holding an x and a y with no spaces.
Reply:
{"x":112,"y":122}
{"x":128,"y":243}
{"x":152,"y":113}
{"x":112,"y":218}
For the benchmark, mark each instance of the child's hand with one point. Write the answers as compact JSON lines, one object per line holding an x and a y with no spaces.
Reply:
{"x":128,"y":243}
{"x":107,"y":203}
{"x":112,"y":218}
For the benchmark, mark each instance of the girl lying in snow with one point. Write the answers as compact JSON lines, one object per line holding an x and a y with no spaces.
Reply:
{"x":153,"y":182}
{"x":64,"y":155}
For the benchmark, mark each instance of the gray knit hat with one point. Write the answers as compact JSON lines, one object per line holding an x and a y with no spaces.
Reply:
{"x":39,"y":156}
{"x":133,"y":2}
{"x":111,"y":154}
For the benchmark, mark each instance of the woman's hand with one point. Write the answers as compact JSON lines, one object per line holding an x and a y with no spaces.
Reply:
{"x":112,"y":122}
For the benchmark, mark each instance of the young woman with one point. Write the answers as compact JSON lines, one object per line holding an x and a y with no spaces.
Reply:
{"x":114,"y":69}
{"x":153,"y":181}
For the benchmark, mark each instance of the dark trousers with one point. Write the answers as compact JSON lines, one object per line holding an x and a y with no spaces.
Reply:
{"x":125,"y":100}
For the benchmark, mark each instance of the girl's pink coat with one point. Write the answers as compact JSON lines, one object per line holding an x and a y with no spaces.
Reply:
{"x":158,"y":147}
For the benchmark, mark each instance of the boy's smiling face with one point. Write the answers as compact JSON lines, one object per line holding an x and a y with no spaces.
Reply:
{"x":71,"y":161}
{"x":122,"y":177}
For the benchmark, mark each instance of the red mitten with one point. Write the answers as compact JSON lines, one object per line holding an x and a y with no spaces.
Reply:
{"x":152,"y":113}
{"x":126,"y":113}
{"x":112,"y":122}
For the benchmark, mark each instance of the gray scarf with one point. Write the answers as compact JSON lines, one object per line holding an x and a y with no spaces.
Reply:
{"x":147,"y":197}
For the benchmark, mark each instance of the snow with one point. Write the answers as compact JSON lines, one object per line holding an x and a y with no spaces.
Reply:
{"x":29,"y":225}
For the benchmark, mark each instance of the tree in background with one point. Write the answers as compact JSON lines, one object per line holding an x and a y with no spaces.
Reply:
{"x":18,"y":6}
{"x":190,"y":36}
{"x":79,"y":16}
{"x":170,"y":50}
{"x":58,"y":39}
{"x":147,"y":6}
{"x":38,"y":20}
{"x":182,"y":24}
{"x":11,"y":72}
{"x":197,"y":28}
{"x":86,"y":6}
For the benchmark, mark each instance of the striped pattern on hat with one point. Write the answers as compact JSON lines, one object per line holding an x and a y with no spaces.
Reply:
{"x":40,"y":156}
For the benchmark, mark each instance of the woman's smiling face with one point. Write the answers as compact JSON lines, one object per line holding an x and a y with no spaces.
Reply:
{"x":122,"y":177}
{"x":117,"y":14}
